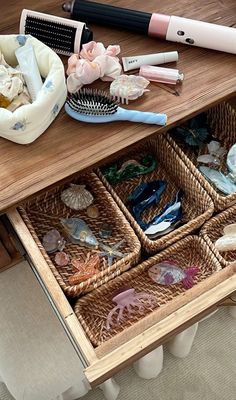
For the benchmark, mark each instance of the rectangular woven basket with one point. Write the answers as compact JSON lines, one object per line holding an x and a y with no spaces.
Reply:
{"x":222,"y":122}
{"x":190,"y":251}
{"x":197,"y":205}
{"x":43,"y":212}
{"x":213,"y":230}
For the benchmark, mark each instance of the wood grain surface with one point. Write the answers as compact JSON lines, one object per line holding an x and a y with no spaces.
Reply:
{"x":69,"y":146}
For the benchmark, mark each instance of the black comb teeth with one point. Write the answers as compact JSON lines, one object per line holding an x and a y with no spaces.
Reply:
{"x":59,"y":37}
{"x":92,"y":102}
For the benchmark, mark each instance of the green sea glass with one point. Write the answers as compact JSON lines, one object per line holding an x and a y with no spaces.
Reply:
{"x":129,"y":169}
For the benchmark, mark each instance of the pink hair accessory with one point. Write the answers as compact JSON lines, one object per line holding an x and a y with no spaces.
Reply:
{"x":128,"y":87}
{"x":93,"y":62}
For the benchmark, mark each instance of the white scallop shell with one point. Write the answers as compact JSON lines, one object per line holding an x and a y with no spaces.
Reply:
{"x":76,"y":197}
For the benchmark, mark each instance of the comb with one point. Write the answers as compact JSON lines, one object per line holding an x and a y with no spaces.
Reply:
{"x":63,"y":35}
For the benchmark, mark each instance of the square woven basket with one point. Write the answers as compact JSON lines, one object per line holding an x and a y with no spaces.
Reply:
{"x":190,"y":251}
{"x":197,"y":205}
{"x":213,"y":230}
{"x":43,"y":212}
{"x":222,"y":122}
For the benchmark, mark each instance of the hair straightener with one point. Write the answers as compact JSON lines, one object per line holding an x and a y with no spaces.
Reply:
{"x":175,"y":29}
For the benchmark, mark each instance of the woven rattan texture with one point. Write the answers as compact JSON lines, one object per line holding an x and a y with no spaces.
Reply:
{"x":197,"y":205}
{"x":42,"y":214}
{"x":222,"y":122}
{"x":190,"y":251}
{"x":213,"y":230}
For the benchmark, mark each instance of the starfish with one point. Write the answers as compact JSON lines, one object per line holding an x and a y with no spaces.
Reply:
{"x":111,"y":252}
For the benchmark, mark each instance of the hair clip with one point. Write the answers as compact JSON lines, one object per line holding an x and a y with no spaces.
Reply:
{"x":127,"y":303}
{"x":216,"y":153}
{"x":168,"y":273}
{"x":227,"y":242}
{"x":53,"y":241}
{"x":194,"y":132}
{"x":144,"y":196}
{"x":218,"y":179}
{"x":167,"y":219}
{"x":128,"y":87}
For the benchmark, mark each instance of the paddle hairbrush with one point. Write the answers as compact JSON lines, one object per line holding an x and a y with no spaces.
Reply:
{"x":95,"y":106}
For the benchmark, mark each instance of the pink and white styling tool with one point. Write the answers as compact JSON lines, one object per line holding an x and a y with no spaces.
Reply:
{"x":175,"y":29}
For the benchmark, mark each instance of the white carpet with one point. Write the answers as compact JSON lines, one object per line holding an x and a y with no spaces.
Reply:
{"x":208,"y":373}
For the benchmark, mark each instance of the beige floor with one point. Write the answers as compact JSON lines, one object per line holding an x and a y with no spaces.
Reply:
{"x":208,"y":373}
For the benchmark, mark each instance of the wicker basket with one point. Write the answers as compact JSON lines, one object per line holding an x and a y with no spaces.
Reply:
{"x":197,"y":205}
{"x":189,"y":251}
{"x":42,"y":214}
{"x":222,"y":121}
{"x":213,"y":230}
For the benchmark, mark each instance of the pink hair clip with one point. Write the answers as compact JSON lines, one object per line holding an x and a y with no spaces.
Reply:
{"x":128,"y":87}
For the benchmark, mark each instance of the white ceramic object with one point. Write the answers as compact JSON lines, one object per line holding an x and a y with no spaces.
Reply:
{"x":232,"y":309}
{"x":110,"y":389}
{"x":180,"y":346}
{"x":150,"y":365}
{"x":28,"y":122}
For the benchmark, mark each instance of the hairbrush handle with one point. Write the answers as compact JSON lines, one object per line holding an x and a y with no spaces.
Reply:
{"x":120,"y":115}
{"x":123,"y":114}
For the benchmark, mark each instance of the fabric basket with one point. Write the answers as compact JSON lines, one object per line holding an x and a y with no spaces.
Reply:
{"x":190,"y":251}
{"x":222,"y":122}
{"x":197,"y":205}
{"x":213,"y":230}
{"x":28,"y":122}
{"x":43,"y":212}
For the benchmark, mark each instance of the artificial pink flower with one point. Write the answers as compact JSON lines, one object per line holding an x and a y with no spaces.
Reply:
{"x":113,"y":50}
{"x":93,"y":62}
{"x":91,"y":50}
{"x":72,"y":61}
{"x":109,"y":66}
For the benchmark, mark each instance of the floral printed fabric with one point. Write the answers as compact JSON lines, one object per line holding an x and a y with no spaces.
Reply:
{"x":26,"y":123}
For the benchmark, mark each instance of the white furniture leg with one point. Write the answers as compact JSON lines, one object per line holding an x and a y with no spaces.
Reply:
{"x":232,"y":309}
{"x":181,"y":344}
{"x":110,"y":389}
{"x":150,"y":366}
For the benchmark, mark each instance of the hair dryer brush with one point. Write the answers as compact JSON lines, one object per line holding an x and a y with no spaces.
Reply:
{"x":95,"y":106}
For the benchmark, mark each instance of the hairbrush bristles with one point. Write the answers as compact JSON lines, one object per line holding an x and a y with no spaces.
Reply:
{"x":92,"y":102}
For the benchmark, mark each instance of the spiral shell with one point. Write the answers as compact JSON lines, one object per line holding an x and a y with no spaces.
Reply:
{"x":76,"y":197}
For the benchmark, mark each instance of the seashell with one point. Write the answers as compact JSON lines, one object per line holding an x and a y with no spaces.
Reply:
{"x":92,"y":212}
{"x":53,"y":241}
{"x":76,"y":197}
{"x":79,"y":232}
{"x":128,"y":87}
{"x":62,"y":259}
{"x":231,"y":160}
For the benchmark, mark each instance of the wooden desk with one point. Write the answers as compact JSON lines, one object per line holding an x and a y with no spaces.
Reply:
{"x":69,"y":146}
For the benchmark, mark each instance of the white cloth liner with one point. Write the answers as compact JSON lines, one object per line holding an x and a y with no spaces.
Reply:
{"x":29,"y":121}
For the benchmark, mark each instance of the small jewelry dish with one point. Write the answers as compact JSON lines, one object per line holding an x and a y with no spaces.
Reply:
{"x":29,"y":121}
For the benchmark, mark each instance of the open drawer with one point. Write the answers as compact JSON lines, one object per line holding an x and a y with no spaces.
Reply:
{"x":105,"y":360}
